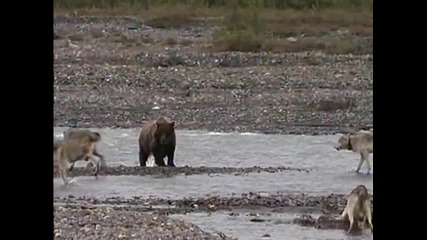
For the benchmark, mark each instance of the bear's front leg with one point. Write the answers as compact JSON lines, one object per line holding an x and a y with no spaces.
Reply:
{"x":170,"y":156}
{"x":143,"y":157}
{"x":159,"y":159}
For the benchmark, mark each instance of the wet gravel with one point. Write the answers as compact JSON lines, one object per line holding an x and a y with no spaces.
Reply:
{"x":94,"y":216}
{"x":108,"y":78}
{"x":330,"y":204}
{"x":322,"y":222}
{"x":108,"y":223}
{"x":168,"y":171}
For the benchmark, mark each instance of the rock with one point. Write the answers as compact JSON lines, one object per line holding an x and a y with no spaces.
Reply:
{"x":292,"y":39}
{"x":257,"y":220}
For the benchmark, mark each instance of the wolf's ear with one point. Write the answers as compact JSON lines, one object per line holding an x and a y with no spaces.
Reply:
{"x":97,"y":134}
{"x":172,"y":124}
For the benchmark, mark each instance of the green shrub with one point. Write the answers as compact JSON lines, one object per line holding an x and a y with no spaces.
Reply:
{"x":239,"y":32}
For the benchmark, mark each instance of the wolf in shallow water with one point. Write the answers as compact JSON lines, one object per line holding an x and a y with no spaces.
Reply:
{"x":358,"y":208}
{"x":71,"y":150}
{"x":80,"y":134}
{"x":360,"y":142}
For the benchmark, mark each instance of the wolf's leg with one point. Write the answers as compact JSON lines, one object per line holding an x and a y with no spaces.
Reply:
{"x":96,"y":163}
{"x":97,"y":166}
{"x":71,"y":167}
{"x":368,"y":214}
{"x":64,"y":165}
{"x":344,"y":212}
{"x":64,"y":176}
{"x":368,"y":164}
{"x":101,"y":157}
{"x":360,"y":163}
{"x":103,"y":163}
{"x":351,"y":219}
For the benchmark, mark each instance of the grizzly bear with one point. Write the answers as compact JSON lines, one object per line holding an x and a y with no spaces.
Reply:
{"x":157,"y":138}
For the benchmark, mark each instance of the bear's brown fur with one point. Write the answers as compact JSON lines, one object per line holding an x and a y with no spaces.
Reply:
{"x":157,"y":138}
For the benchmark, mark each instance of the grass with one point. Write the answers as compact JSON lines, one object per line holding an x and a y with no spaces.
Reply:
{"x":248,"y":25}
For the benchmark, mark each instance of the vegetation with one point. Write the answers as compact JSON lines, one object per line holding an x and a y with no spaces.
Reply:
{"x":276,"y":4}
{"x":250,"y":25}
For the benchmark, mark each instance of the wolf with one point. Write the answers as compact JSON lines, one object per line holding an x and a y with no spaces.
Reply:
{"x":79,"y":134}
{"x":71,"y":150}
{"x":358,"y":208}
{"x":360,"y":142}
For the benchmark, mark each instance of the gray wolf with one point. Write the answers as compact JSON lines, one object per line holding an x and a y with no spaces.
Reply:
{"x":79,"y":134}
{"x":360,"y":142}
{"x":358,"y":208}
{"x":71,"y":150}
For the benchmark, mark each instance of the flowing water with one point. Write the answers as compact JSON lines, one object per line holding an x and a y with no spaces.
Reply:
{"x":331,"y":172}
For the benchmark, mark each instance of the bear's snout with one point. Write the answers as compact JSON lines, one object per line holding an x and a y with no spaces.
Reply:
{"x":163,"y":140}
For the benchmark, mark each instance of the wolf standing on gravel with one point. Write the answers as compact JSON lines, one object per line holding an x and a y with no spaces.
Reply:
{"x":79,"y":135}
{"x":72,"y":150}
{"x":358,"y":208}
{"x":360,"y":142}
{"x":157,"y":138}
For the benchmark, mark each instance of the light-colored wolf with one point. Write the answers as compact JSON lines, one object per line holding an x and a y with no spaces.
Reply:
{"x":79,"y":134}
{"x":71,"y":150}
{"x":358,"y":208}
{"x":360,"y":142}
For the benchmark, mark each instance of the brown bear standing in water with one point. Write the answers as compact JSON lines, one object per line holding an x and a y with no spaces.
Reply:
{"x":157,"y":138}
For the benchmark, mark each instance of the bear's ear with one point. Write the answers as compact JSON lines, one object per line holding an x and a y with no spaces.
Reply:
{"x":172,"y":124}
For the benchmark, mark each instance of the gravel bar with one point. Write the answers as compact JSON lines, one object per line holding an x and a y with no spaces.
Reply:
{"x":103,"y":78}
{"x":169,"y":171}
{"x":331,"y":204}
{"x":108,"y":223}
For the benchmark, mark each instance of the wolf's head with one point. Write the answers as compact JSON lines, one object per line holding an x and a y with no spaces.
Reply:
{"x":343,"y":143}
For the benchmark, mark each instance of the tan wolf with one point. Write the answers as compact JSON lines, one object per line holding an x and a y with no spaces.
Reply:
{"x":79,"y":134}
{"x":360,"y":142}
{"x":71,"y":150}
{"x":358,"y":208}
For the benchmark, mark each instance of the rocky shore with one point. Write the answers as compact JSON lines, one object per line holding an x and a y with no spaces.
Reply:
{"x":331,"y":204}
{"x":119,"y":72}
{"x":98,"y":216}
{"x":167,"y":171}
{"x":108,"y":223}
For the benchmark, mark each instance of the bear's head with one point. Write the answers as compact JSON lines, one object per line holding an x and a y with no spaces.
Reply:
{"x":165,"y":131}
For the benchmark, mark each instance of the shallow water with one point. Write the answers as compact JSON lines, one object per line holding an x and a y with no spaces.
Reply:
{"x":332,"y":172}
{"x":239,"y":225}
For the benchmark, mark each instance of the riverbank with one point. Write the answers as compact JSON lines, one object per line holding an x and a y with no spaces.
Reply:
{"x":100,"y":82}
